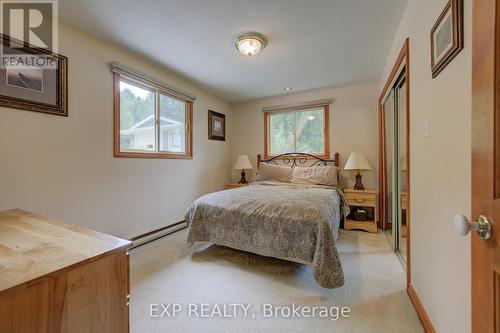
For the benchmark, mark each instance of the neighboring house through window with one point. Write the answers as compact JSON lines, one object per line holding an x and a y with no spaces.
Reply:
{"x":301,"y":129}
{"x":149,"y":121}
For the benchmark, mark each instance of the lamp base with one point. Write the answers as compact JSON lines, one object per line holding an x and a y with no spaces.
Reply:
{"x":359,"y":185}
{"x":243,"y":180}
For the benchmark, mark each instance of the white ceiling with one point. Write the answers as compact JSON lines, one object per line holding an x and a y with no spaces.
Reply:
{"x":312,"y":43}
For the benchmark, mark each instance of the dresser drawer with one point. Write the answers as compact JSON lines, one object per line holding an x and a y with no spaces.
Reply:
{"x":361,"y":199}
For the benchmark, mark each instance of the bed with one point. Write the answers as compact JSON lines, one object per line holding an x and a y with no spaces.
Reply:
{"x":295,"y":222}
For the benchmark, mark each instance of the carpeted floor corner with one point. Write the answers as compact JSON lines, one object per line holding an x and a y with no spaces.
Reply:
{"x":167,"y":272}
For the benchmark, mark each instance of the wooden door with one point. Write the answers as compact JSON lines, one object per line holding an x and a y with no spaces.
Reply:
{"x":486,"y":164}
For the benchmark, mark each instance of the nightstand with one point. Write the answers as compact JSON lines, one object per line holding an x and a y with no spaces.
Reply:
{"x":236,"y":185}
{"x":367,"y":200}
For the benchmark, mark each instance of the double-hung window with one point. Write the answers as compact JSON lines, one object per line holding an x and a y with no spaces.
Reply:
{"x":302,"y":130}
{"x":150,"y":122}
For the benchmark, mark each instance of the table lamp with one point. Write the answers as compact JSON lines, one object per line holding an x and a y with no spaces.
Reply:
{"x":243,"y":163}
{"x":358,"y":162}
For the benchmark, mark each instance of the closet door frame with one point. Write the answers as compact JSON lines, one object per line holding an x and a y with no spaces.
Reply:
{"x":399,"y":91}
{"x":403,"y":60}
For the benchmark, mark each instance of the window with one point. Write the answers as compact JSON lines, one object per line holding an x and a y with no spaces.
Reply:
{"x":150,"y":122}
{"x":297,"y":131}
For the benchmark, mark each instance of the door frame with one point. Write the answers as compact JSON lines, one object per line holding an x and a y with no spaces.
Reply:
{"x":403,"y":59}
{"x":485,"y":155}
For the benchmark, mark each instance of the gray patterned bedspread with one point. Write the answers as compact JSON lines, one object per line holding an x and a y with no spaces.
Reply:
{"x":292,"y":222}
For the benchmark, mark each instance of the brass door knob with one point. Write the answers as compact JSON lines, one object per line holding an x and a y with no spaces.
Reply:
{"x":482,"y":226}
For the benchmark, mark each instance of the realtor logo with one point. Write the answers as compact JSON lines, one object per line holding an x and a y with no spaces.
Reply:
{"x":28,"y":23}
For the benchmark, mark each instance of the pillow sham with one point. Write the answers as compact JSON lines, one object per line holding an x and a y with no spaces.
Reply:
{"x":318,"y":175}
{"x":274,"y":172}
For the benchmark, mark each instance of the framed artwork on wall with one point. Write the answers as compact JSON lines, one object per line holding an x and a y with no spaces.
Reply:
{"x":216,"y":126}
{"x":447,"y":36}
{"x":40,"y":85}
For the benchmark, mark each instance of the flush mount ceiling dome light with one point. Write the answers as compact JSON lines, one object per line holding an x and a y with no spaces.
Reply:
{"x":250,"y":43}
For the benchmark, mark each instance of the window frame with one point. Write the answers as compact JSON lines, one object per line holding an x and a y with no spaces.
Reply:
{"x":117,"y":152}
{"x":326,"y":129}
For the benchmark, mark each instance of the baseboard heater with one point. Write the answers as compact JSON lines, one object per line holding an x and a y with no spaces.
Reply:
{"x":153,"y":235}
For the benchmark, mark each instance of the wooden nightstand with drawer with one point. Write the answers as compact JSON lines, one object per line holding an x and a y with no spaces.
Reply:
{"x":361,"y":199}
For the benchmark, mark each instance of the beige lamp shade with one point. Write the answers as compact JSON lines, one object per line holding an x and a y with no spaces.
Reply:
{"x":243,"y":163}
{"x":357,"y":161}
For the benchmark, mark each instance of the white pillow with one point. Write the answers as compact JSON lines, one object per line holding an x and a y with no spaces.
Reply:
{"x":320,"y":175}
{"x":274,"y":172}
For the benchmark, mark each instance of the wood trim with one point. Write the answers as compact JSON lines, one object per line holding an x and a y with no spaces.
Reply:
{"x":116,"y":114}
{"x":405,"y":50}
{"x":496,"y":98}
{"x":154,"y":155}
{"x":382,"y":171}
{"x":422,"y":315}
{"x":403,"y":58}
{"x":408,"y":159}
{"x":381,"y":176}
{"x":189,"y":134}
{"x":162,"y":155}
{"x":266,"y":134}
{"x":326,"y":131}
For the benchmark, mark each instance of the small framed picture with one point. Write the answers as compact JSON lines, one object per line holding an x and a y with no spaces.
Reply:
{"x":33,"y":87}
{"x":216,"y":126}
{"x":447,"y":36}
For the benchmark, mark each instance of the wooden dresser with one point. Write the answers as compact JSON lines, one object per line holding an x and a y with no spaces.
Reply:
{"x":56,"y":277}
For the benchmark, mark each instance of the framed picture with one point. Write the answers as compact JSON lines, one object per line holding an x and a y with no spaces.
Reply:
{"x":32,"y":88}
{"x":447,"y":36}
{"x":216,"y":126}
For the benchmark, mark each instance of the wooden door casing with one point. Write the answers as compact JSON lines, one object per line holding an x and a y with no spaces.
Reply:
{"x":485,"y":254}
{"x":403,"y":59}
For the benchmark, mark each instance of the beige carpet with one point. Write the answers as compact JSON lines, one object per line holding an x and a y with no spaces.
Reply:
{"x":166,"y":271}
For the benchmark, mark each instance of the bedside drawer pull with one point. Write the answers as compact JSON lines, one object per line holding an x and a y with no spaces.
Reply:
{"x":359,"y":200}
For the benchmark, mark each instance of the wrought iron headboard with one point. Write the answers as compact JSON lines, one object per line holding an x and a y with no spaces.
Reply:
{"x":299,"y":159}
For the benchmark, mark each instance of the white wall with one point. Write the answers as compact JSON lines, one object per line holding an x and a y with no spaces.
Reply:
{"x":64,"y":167}
{"x":353,"y":125}
{"x":440,"y":168}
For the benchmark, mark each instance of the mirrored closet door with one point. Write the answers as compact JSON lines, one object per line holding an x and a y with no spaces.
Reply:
{"x":394,"y":162}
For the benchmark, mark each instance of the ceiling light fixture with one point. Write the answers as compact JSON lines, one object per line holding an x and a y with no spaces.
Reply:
{"x":250,"y":43}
